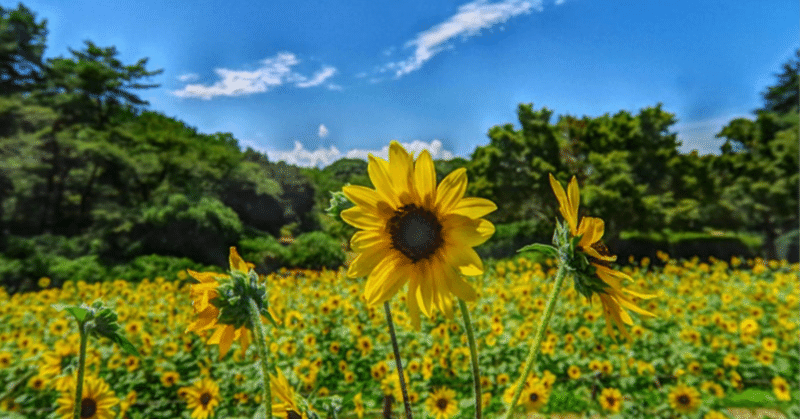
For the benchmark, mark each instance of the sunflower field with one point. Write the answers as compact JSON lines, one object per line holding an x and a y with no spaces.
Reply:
{"x":725,"y":334}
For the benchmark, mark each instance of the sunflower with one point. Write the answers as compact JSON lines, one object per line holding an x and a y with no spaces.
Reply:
{"x":170,"y":378}
{"x":614,"y":298}
{"x":781,"y":389}
{"x":574,"y":372}
{"x":202,"y":397}
{"x":416,"y":232}
{"x":534,"y":396}
{"x":97,"y":399}
{"x":203,"y":295}
{"x":358,"y":405}
{"x":684,"y":399}
{"x":441,"y":403}
{"x":611,"y":399}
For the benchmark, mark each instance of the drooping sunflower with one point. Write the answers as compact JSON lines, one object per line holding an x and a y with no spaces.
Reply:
{"x":97,"y":399}
{"x":441,"y":403}
{"x":287,"y":405}
{"x":203,"y":296}
{"x":416,"y":232}
{"x":613,"y":296}
{"x":202,"y":397}
{"x":684,"y":399}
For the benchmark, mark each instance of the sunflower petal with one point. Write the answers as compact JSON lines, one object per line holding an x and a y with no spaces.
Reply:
{"x":466,"y":260}
{"x":574,"y":199}
{"x":425,"y":179}
{"x":379,"y":174}
{"x":362,"y":196}
{"x":367,"y":239}
{"x":464,"y":231}
{"x":401,"y":169}
{"x":451,"y":189}
{"x":413,"y":305}
{"x":360,"y":218}
{"x":461,"y":288}
{"x":384,"y":280}
{"x":226,"y":340}
{"x":366,"y":262}
{"x":236,"y":261}
{"x":474,"y":207}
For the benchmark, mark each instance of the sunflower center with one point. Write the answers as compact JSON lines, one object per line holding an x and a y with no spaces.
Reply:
{"x":534,"y":397}
{"x":204,"y":399}
{"x":611,"y":400}
{"x":683,"y":399}
{"x":293,"y":415}
{"x":88,"y":408}
{"x":415,"y":232}
{"x":442,"y":404}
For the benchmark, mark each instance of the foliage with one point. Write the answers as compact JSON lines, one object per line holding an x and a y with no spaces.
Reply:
{"x":315,"y":250}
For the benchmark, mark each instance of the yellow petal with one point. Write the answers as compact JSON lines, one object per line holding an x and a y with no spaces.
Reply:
{"x":451,"y":189}
{"x":564,"y":205}
{"x":367,"y":239}
{"x":474,"y":207}
{"x":592,"y":229}
{"x":461,"y":288}
{"x":413,"y":305}
{"x":203,"y":276}
{"x":464,"y":231}
{"x":362,"y":196}
{"x":425,"y":291}
{"x":217,"y":335}
{"x":466,"y":260}
{"x":385,"y":280}
{"x":380,"y":176}
{"x":225,"y":340}
{"x":425,"y":179}
{"x":236,"y":262}
{"x":360,"y":218}
{"x":401,"y":169}
{"x":366,"y":262}
{"x":206,"y":319}
{"x":574,"y":200}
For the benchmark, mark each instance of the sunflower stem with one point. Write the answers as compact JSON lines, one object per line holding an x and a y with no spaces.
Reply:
{"x":81,"y":367}
{"x":534,"y":351}
{"x":406,"y":401}
{"x":261,"y":346}
{"x":473,"y":350}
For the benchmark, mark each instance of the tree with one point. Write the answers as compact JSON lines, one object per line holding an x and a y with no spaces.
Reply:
{"x":94,"y":84}
{"x":783,"y":97}
{"x":22,"y":44}
{"x":512,"y":169}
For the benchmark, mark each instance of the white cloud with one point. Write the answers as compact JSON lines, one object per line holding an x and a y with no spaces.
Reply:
{"x":322,"y":157}
{"x":188,"y":77}
{"x":274,"y":71}
{"x":467,"y":22}
{"x":323,"y":131}
{"x":701,"y":135}
{"x":318,"y":78}
{"x":559,"y":2}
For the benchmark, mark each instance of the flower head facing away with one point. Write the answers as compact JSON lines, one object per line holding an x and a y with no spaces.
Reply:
{"x":581,"y":247}
{"x":416,"y":232}
{"x":222,"y":303}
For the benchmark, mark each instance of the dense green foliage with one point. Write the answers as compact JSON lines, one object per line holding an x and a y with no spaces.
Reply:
{"x":91,"y":179}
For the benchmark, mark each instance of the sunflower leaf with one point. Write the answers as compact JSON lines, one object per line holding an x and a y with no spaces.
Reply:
{"x":541,"y":248}
{"x":124,"y":343}
{"x":80,"y":314}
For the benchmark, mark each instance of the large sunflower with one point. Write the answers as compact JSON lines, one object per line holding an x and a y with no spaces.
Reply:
{"x":614,"y":298}
{"x":441,"y":403}
{"x":416,"y":232}
{"x":97,"y":399}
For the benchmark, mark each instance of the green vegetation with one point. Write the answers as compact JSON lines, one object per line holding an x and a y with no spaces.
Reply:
{"x":90,"y":179}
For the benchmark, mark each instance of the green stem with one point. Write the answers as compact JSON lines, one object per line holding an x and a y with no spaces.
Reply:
{"x":81,"y":367}
{"x":473,"y":350}
{"x":261,"y":346}
{"x":406,"y":400}
{"x":548,"y":311}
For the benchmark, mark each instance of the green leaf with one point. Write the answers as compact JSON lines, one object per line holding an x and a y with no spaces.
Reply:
{"x":541,"y":248}
{"x":125,"y":344}
{"x":80,"y":314}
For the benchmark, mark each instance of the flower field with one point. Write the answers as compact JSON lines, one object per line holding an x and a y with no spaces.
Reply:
{"x":724,"y":334}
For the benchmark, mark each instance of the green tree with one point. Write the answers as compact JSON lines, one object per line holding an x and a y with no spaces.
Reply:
{"x":512,"y":169}
{"x":22,"y":45}
{"x":783,"y":97}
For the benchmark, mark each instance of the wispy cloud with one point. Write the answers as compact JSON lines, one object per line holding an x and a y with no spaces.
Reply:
{"x":322,"y":157}
{"x":318,"y":78}
{"x":467,"y":22}
{"x":323,"y":131}
{"x":188,"y":77}
{"x":701,"y":135}
{"x":273,"y":72}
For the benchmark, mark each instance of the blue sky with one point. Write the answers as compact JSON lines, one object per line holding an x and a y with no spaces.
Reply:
{"x":311,"y":82}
